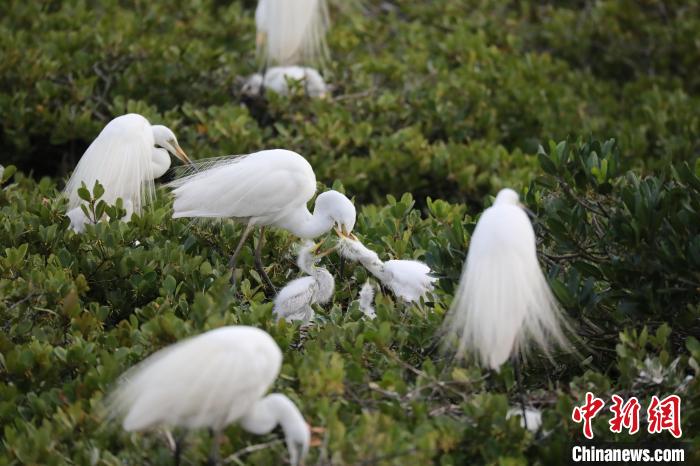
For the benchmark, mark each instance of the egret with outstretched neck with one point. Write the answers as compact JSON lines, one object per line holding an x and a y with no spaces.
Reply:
{"x":267,"y":188}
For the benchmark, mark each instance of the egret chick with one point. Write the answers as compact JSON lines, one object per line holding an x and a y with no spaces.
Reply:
{"x":408,"y":279}
{"x":291,"y":32}
{"x":267,"y":188}
{"x":125,"y":160}
{"x":367,"y":300}
{"x":293,"y":302}
{"x":503,"y":304}
{"x":210,"y":381}
{"x":276,"y":79}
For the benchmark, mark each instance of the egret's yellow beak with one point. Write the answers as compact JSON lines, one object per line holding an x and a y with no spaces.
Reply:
{"x":180,"y":154}
{"x":260,"y":39}
{"x":343,"y":232}
{"x":327,"y":251}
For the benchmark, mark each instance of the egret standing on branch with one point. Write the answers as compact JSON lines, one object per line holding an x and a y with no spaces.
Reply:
{"x":503,"y":304}
{"x":267,"y":188}
{"x":210,"y":381}
{"x":291,"y":32}
{"x":125,"y":160}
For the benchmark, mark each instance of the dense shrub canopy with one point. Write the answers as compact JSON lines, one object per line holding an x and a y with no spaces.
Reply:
{"x":436,"y":106}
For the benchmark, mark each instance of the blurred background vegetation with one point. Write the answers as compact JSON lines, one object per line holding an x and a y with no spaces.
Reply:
{"x":448,"y":100}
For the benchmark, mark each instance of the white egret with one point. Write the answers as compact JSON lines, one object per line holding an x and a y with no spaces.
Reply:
{"x":267,"y":188}
{"x":293,"y":302}
{"x":210,"y":381}
{"x":276,"y":79}
{"x":291,"y":32}
{"x":532,"y":420}
{"x":367,"y":300}
{"x":125,"y":160}
{"x":503,"y":304}
{"x":408,"y":279}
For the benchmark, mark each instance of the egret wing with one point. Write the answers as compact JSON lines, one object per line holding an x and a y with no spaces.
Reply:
{"x":263,"y":185}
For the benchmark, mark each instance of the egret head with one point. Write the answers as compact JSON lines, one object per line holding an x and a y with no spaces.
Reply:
{"x":296,"y":431}
{"x":165,"y":138}
{"x":507,"y":196}
{"x":252,"y":85}
{"x":339,"y":209}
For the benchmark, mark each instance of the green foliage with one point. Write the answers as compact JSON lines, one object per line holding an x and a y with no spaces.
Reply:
{"x":620,"y":249}
{"x":436,"y":106}
{"x":451,"y":118}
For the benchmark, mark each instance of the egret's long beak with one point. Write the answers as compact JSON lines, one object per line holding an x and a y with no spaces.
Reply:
{"x":529,"y":213}
{"x":343,"y":232}
{"x":180,"y":154}
{"x":327,"y":251}
{"x":260,"y":39}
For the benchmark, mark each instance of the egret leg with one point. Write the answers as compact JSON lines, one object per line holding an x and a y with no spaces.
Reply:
{"x":178,"y":447}
{"x":258,"y":261}
{"x":214,"y":457}
{"x":236,"y":253}
{"x":341,"y":267}
{"x":519,"y":382}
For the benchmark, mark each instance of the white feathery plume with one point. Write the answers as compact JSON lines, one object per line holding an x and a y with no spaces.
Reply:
{"x":120,"y":158}
{"x":503,"y":304}
{"x":292,"y":32}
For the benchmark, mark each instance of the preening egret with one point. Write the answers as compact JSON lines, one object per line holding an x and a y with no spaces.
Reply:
{"x":408,"y":279}
{"x":367,"y":300}
{"x":276,"y":79}
{"x":291,"y":32}
{"x":267,"y":188}
{"x":503,"y":304}
{"x":125,"y":160}
{"x":293,"y":302}
{"x":210,"y":381}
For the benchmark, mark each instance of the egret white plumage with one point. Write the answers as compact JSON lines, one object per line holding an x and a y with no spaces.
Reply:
{"x":503,"y":305}
{"x":410,"y":280}
{"x":210,"y":381}
{"x":267,"y":188}
{"x":531,"y":420}
{"x":124,"y":159}
{"x":293,"y":302}
{"x":367,"y":300}
{"x":291,"y":32}
{"x":276,"y":79}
